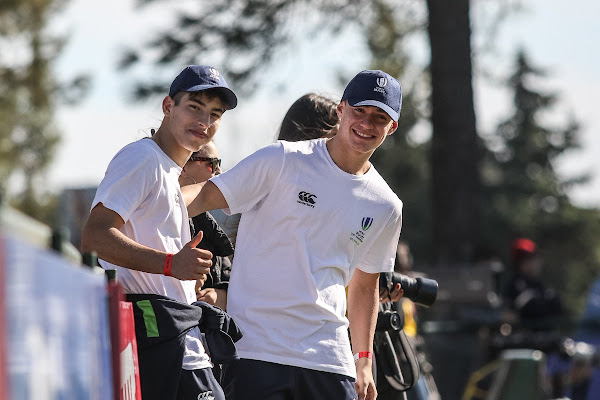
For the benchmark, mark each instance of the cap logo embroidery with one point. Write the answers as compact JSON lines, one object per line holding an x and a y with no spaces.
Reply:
{"x":214,"y":74}
{"x":381,"y":82}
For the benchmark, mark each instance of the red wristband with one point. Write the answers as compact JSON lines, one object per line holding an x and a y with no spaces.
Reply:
{"x":363,"y":354}
{"x":168,"y":262}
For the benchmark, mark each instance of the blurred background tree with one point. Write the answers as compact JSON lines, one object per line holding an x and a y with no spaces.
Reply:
{"x":455,"y":150}
{"x":462,"y":191}
{"x":28,"y":98}
{"x":524,"y":194}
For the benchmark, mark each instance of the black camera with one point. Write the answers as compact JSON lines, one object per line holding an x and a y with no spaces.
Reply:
{"x":389,"y":320}
{"x":422,"y":291}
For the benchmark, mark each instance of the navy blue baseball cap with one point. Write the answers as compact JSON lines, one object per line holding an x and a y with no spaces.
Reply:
{"x":375,"y":88}
{"x":195,"y":78}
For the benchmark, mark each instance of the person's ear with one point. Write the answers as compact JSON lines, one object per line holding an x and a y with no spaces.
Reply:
{"x":339,"y":109}
{"x":167,"y":104}
{"x":393,"y":127}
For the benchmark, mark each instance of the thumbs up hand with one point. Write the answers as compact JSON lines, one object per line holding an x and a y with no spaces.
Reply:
{"x":191,"y":263}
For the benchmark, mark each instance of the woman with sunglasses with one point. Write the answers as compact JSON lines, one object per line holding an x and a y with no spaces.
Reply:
{"x":203,"y":165}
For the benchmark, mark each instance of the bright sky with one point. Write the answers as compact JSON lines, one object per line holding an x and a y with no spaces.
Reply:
{"x":559,"y":36}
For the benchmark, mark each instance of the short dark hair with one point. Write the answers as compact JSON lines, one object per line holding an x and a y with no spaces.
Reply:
{"x":312,"y":116}
{"x":210,"y":93}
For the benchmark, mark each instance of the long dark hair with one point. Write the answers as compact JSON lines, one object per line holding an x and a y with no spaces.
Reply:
{"x":312,"y":116}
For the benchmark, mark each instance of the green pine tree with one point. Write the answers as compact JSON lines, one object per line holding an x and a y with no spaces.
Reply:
{"x":527,"y":197}
{"x":29,"y":94}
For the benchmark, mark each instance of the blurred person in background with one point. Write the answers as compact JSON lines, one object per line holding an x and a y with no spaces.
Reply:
{"x":425,"y":387}
{"x":535,"y":310}
{"x":227,"y":223}
{"x":404,"y":265}
{"x":312,"y":116}
{"x":532,"y":303}
{"x":212,"y":288}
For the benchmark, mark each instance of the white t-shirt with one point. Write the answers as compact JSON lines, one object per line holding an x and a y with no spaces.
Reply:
{"x":306,"y":225}
{"x":141,"y":185}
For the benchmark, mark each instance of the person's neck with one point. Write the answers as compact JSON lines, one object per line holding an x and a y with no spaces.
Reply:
{"x":348,"y":161}
{"x":170,"y":147}
{"x":185,"y":179}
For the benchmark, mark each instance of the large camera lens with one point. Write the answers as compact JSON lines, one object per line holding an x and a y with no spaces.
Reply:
{"x":422,"y":291}
{"x":389,"y":321}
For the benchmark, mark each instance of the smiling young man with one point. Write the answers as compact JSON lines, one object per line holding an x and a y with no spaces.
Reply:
{"x":139,"y":225}
{"x":316,"y":218}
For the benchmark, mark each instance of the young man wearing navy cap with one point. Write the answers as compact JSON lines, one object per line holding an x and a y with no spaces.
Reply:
{"x":139,"y":226}
{"x":316,"y":218}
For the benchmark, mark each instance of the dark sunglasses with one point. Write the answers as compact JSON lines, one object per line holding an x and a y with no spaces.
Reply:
{"x":214,"y":161}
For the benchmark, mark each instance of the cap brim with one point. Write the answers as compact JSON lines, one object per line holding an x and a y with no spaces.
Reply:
{"x":230,"y":97}
{"x":389,"y":110}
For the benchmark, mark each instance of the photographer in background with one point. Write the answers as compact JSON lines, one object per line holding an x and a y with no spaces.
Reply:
{"x":394,"y":299}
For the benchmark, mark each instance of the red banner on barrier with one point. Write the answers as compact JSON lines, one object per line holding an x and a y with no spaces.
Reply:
{"x":130,"y":373}
{"x":126,"y":373}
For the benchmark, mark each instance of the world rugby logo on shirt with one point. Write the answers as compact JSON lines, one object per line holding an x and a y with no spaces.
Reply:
{"x":359,"y":236}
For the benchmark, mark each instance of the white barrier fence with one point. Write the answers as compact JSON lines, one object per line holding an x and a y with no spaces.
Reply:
{"x":55,"y":335}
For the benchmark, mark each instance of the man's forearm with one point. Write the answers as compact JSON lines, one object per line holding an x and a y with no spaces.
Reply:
{"x":362,"y":314}
{"x":362,"y":310}
{"x":102,"y":235}
{"x":114,"y":247}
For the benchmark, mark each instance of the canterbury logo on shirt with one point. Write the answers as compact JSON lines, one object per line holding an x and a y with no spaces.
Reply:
{"x":206,"y":396}
{"x":308,"y":199}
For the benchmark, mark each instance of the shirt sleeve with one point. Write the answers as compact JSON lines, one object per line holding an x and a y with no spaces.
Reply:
{"x":382,"y":255}
{"x":128,"y":181}
{"x":252,"y":179}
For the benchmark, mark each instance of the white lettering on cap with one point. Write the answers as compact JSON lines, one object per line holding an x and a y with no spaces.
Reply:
{"x":214,"y":73}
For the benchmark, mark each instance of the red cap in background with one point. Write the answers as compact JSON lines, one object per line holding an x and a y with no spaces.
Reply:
{"x":522,"y":248}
